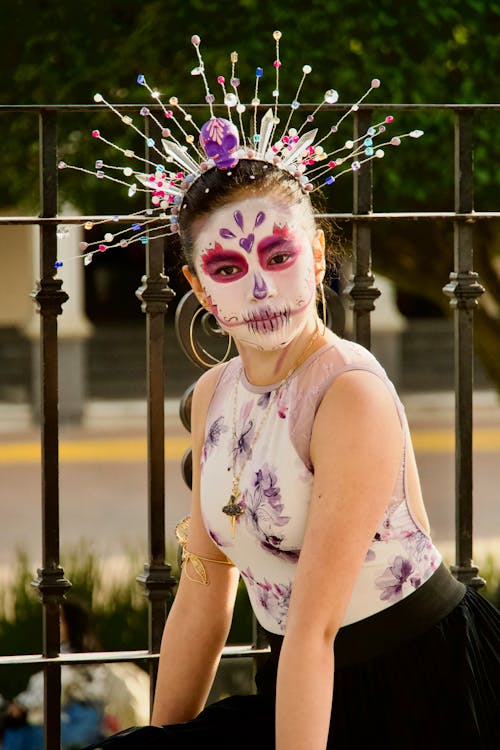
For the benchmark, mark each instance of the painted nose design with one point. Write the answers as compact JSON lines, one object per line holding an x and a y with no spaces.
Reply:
{"x":260,"y":288}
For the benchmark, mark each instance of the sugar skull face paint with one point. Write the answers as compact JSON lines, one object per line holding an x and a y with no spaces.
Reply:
{"x":255,"y":261}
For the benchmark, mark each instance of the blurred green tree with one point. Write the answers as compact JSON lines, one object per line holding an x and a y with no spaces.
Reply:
{"x":424,"y":51}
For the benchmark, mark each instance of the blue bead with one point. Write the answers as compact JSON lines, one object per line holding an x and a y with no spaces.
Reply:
{"x":330,"y":180}
{"x":144,"y":240}
{"x":136,"y":227}
{"x":151,"y":142}
{"x":160,"y":168}
{"x":369,"y":151}
{"x":368,"y":142}
{"x":259,"y":72}
{"x":141,"y":79}
{"x":256,"y":137}
{"x":58,"y":264}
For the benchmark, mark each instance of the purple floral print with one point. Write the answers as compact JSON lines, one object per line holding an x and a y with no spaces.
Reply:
{"x":264,"y":513}
{"x":392,"y":579}
{"x":216,"y":429}
{"x":217,"y":538}
{"x":273,"y":597}
{"x":282,"y":404}
{"x":264,"y":399}
{"x":244,"y":434}
{"x":397,"y":525}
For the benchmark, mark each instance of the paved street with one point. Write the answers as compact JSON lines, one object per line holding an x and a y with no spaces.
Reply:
{"x":104,"y":474}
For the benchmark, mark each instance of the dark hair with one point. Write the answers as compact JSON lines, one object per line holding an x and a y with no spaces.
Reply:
{"x":215,"y":188}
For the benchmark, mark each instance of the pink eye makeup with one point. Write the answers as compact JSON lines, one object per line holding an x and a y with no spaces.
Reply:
{"x":277,"y":253}
{"x":223,"y":265}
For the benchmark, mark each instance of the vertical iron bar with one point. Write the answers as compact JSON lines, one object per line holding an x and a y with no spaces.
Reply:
{"x":49,"y":297}
{"x":361,"y":289}
{"x":155,"y":294}
{"x":464,"y":290}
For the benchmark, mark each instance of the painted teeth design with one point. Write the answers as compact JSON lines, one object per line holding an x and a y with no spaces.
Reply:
{"x":267,"y":320}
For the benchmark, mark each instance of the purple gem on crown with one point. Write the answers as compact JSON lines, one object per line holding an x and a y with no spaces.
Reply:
{"x":219,"y":138}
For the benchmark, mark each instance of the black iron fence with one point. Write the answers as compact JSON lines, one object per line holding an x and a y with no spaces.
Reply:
{"x":463,"y":288}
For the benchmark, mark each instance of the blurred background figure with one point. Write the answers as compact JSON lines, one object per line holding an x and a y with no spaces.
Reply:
{"x":96,"y":700}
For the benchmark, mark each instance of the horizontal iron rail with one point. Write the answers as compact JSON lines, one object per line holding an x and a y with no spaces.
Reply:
{"x":104,"y":657}
{"x":35,"y":108}
{"x":374,"y":216}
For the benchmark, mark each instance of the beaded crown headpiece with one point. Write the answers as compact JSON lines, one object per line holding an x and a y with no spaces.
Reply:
{"x":167,"y":174}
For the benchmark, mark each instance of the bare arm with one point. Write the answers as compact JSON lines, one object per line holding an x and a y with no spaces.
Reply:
{"x":356,"y":450}
{"x":199,"y":620}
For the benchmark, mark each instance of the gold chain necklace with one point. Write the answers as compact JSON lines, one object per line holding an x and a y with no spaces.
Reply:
{"x":233,"y":509}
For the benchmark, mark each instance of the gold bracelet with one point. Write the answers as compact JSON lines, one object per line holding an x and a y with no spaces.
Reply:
{"x":181,"y":532}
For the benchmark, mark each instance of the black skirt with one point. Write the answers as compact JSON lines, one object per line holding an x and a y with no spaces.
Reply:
{"x":438,"y":688}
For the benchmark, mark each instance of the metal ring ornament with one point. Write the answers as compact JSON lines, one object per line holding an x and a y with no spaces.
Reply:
{"x":186,"y":315}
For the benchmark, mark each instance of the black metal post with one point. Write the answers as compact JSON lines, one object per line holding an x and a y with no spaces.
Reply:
{"x":464,"y":290}
{"x":51,"y":582}
{"x":155,"y":294}
{"x":361,"y":288}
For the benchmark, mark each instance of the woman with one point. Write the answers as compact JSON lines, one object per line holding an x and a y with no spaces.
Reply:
{"x":305,"y":483}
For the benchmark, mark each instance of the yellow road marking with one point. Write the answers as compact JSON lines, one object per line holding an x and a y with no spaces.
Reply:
{"x":87,"y":451}
{"x":486,"y":440}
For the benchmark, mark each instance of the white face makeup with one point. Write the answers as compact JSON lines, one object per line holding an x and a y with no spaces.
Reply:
{"x":255,"y":261}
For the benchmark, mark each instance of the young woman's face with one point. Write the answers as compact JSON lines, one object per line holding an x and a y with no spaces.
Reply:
{"x":256,"y":264}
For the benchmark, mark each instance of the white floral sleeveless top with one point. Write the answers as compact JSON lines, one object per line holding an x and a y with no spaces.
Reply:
{"x":275,"y":485}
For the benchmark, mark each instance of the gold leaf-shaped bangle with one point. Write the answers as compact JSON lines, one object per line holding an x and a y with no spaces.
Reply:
{"x":181,"y":533}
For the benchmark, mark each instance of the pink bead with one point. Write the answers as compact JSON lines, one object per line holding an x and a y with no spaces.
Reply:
{"x":389,"y":119}
{"x":169,"y":113}
{"x":277,"y":63}
{"x":310,"y":150}
{"x":274,"y":149}
{"x":310,"y":162}
{"x":96,"y":134}
{"x":151,"y":178}
{"x":296,"y":138}
{"x":166,"y":133}
{"x":195,"y":39}
{"x":102,"y":248}
{"x":375,"y":83}
{"x":332,"y":164}
{"x":180,"y":175}
{"x":221,"y":79}
{"x":285,"y":139}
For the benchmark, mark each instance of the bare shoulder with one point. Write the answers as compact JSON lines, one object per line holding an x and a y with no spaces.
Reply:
{"x":356,"y":401}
